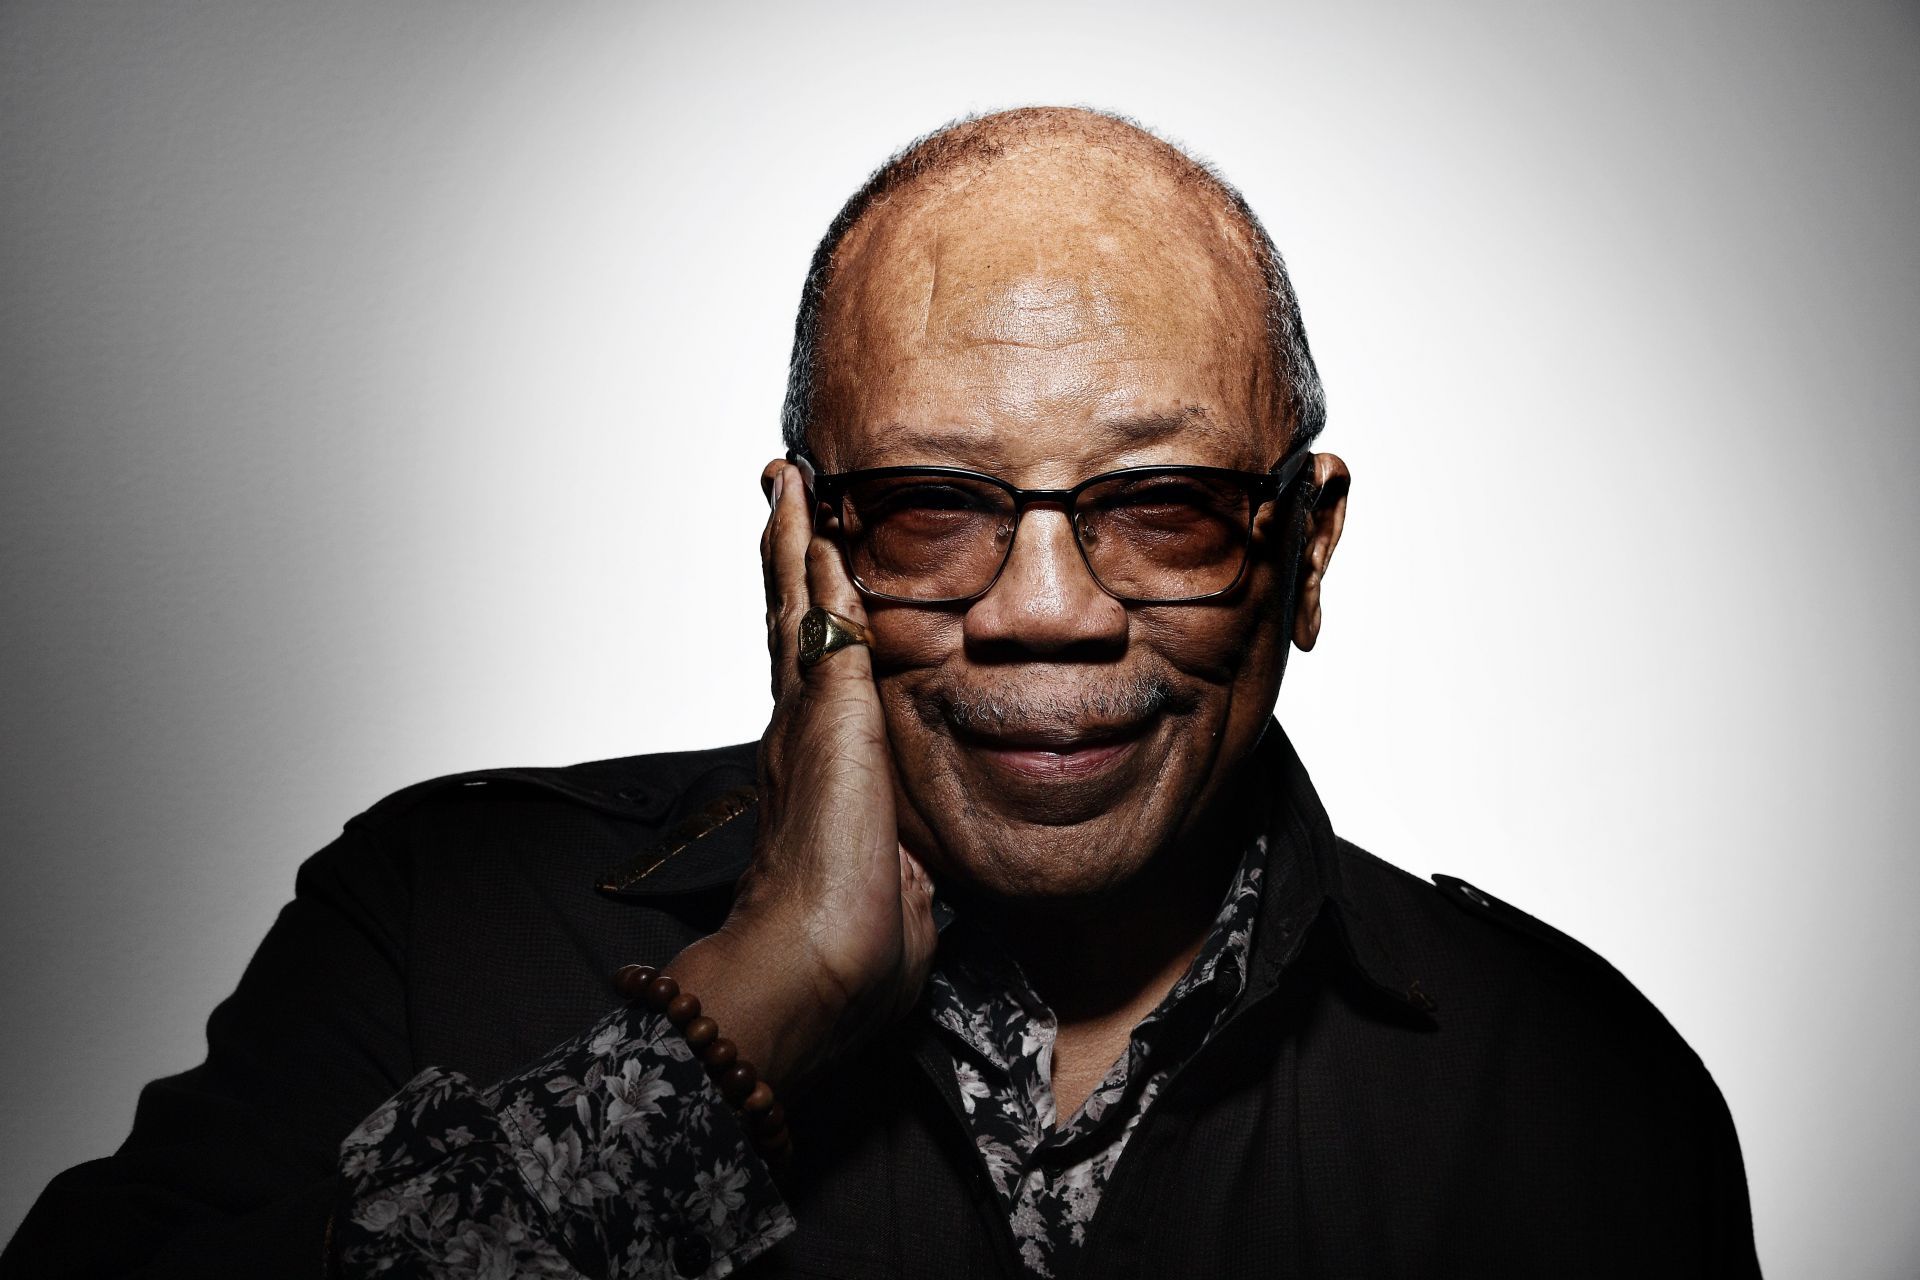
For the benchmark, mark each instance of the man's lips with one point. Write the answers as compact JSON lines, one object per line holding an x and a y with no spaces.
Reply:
{"x":1056,"y":752}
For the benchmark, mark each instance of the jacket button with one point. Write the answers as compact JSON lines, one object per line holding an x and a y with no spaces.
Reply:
{"x":646,"y":802}
{"x":692,"y":1255}
{"x":1476,"y":897}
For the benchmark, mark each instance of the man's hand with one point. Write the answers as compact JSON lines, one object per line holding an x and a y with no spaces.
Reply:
{"x":831,"y":934}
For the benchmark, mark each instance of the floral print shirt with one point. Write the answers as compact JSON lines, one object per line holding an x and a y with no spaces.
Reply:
{"x":1049,"y":1174}
{"x":615,"y":1155}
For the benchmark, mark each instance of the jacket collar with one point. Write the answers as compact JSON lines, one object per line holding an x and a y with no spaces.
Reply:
{"x":1310,"y":894}
{"x":1307,"y":891}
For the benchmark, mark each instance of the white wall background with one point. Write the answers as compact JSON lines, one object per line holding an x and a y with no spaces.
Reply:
{"x":381,"y":383}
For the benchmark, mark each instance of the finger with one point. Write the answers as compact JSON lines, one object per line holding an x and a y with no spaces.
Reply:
{"x":828,"y":582}
{"x":790,"y":529}
{"x":831,"y":586}
{"x":783,"y":549}
{"x":768,"y":474}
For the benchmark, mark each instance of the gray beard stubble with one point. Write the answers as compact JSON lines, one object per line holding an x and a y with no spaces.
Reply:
{"x":1131,"y":700}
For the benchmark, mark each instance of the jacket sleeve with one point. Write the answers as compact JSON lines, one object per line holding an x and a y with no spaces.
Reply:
{"x":237,"y":1167}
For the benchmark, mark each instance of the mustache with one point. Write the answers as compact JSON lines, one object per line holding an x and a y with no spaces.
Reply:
{"x":1014,"y":710}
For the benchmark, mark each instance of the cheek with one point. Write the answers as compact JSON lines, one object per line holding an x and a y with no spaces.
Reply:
{"x":909,"y":647}
{"x":907,"y":639}
{"x":1227,"y":645}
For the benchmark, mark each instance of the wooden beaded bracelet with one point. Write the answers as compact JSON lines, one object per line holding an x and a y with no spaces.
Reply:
{"x":763,"y":1117}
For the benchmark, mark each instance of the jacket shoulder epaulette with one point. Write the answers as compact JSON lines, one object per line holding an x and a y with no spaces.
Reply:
{"x":645,"y":788}
{"x":1596,"y":972}
{"x":1483,"y":905}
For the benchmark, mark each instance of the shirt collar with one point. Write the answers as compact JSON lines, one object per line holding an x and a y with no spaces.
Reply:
{"x":974,"y":976}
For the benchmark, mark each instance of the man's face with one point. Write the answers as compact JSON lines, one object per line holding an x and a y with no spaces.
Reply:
{"x":1047,"y":320}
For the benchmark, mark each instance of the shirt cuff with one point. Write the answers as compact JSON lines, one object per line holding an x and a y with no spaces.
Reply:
{"x":615,"y":1156}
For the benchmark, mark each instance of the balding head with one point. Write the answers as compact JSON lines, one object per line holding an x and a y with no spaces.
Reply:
{"x":1038,"y":194}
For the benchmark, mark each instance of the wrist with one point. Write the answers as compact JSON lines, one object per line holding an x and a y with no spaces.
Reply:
{"x":781,"y":1017}
{"x":735,"y":1075}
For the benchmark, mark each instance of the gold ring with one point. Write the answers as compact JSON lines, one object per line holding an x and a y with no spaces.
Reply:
{"x":822,"y":631}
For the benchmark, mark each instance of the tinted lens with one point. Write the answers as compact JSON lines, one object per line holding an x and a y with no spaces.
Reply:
{"x":1165,"y":537}
{"x":926,"y":537}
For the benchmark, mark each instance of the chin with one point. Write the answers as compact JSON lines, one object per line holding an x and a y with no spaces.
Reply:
{"x":1079,"y":845}
{"x":1051,"y":865}
{"x":1019,"y":820}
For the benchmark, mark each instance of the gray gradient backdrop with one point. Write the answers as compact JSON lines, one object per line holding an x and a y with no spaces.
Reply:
{"x":384,"y":388}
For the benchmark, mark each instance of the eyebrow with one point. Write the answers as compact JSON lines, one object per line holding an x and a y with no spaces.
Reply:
{"x":1152,"y":428}
{"x":978,"y":449}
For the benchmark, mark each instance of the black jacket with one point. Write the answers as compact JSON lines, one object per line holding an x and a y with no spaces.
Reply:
{"x":1419,"y":1080}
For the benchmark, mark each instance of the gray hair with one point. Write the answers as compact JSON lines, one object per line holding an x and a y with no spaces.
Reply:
{"x":960,"y":140}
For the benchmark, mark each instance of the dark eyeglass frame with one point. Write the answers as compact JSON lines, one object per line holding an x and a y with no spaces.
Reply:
{"x":1262,"y":487}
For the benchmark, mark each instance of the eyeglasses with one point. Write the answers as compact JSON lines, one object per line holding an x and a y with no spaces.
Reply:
{"x":1148,"y":535}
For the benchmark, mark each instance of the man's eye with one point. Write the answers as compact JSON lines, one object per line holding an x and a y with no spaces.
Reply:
{"x":925,"y":497}
{"x":1162,"y":495}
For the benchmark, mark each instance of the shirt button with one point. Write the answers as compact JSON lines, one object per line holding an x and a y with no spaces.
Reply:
{"x":691,"y":1255}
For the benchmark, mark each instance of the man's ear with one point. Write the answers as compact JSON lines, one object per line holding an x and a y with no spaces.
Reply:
{"x":1326,"y":514}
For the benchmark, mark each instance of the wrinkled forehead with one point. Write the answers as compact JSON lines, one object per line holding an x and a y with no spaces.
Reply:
{"x":1028,"y":306}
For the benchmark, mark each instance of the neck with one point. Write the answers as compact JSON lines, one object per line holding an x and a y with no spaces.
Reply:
{"x":1103,"y":964}
{"x":1115,"y":956}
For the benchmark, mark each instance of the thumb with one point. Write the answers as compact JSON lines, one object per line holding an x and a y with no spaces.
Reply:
{"x":916,"y":917}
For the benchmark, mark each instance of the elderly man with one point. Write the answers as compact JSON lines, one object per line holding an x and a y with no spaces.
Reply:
{"x":1019,"y":943}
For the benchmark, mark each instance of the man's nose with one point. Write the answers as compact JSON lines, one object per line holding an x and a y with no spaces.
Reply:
{"x":1046,"y":599}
